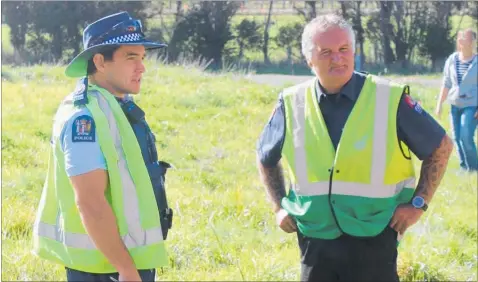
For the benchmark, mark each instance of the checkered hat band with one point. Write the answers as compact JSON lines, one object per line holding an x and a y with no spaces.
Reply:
{"x":132,"y":37}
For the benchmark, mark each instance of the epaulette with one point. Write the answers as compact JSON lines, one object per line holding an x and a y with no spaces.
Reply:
{"x":80,"y":97}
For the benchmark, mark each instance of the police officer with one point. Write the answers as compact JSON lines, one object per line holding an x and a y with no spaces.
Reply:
{"x":103,"y":213}
{"x":345,"y":139}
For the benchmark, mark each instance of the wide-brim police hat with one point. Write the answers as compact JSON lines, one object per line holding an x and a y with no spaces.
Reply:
{"x":113,"y":30}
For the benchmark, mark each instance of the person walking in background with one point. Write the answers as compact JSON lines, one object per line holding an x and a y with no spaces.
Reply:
{"x":460,"y":88}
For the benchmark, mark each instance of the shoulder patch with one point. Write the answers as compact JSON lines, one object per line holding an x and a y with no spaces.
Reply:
{"x":413,"y":104}
{"x":83,"y":129}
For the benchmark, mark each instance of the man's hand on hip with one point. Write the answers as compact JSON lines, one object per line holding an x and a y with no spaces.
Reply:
{"x":431,"y":173}
{"x":405,"y":215}
{"x":285,"y":221}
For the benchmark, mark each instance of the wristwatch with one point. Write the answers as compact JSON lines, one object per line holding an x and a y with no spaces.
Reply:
{"x":419,"y":203}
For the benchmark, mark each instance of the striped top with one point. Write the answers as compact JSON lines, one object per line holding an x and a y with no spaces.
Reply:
{"x":461,"y":67}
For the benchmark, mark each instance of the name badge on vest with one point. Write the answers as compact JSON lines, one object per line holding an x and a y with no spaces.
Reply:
{"x":83,"y":129}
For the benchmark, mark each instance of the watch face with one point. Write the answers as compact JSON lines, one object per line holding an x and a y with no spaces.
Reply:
{"x":418,"y":202}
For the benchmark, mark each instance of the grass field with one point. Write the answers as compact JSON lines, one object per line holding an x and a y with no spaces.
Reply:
{"x":207,"y":126}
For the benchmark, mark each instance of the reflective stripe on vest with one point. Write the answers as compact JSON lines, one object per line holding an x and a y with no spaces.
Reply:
{"x":376,"y":188}
{"x":136,"y":236}
{"x":83,"y":241}
{"x":353,"y":188}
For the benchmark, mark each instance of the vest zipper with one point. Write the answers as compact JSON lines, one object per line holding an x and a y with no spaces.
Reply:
{"x":331,"y":170}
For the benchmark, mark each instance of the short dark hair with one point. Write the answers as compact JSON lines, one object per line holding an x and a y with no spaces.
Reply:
{"x":107,"y":53}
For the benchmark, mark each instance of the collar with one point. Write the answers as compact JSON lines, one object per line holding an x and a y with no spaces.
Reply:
{"x":473,"y":59}
{"x":350,"y":90}
{"x":80,"y":93}
{"x":124,"y":100}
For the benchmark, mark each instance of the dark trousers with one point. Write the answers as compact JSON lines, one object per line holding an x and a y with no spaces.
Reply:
{"x":350,"y":258}
{"x":76,"y":275}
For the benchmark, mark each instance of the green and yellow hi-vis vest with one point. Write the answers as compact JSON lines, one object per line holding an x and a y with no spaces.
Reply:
{"x":363,"y":181}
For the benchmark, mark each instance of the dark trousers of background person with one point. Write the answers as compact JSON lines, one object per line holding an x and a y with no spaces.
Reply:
{"x":464,"y":126}
{"x":350,"y":258}
{"x":146,"y":275}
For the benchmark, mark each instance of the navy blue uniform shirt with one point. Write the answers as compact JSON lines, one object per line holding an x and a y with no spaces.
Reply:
{"x":415,"y":127}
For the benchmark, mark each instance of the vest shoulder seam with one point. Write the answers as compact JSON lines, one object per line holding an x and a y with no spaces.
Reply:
{"x":390,"y":82}
{"x":294,"y":89}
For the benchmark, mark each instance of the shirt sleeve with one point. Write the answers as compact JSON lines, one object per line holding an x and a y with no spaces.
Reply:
{"x":446,"y":74}
{"x":417,"y":129}
{"x":80,"y":146}
{"x":271,"y":141}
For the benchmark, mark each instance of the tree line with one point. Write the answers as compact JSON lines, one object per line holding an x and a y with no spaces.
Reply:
{"x":396,"y":31}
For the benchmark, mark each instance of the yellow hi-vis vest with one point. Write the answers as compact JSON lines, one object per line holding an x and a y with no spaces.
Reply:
{"x":59,"y":234}
{"x":362,"y":182}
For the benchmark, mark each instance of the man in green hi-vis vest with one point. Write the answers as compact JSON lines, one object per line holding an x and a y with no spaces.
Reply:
{"x":103,"y":212}
{"x":345,"y":139}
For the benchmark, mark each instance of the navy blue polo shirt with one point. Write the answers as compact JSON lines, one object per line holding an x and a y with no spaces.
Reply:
{"x":415,"y":127}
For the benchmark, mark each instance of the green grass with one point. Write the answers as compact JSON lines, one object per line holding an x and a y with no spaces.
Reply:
{"x":207,"y":126}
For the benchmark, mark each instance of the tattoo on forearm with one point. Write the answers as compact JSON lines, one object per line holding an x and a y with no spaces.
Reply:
{"x":433,"y":169}
{"x":273,"y":179}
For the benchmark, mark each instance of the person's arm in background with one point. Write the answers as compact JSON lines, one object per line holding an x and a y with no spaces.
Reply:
{"x":446,"y":85}
{"x":89,"y":179}
{"x":443,"y":95}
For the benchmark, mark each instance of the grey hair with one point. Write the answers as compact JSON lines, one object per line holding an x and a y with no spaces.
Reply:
{"x":320,"y":24}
